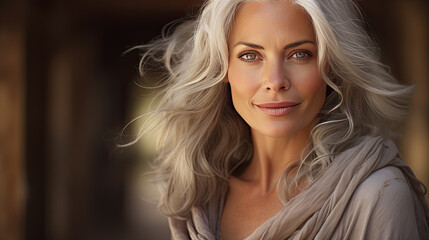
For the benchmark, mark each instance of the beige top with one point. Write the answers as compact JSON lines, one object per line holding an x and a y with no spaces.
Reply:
{"x":381,"y":208}
{"x":367,"y":192}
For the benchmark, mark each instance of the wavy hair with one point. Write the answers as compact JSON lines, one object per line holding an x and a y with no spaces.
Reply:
{"x":203,"y":139}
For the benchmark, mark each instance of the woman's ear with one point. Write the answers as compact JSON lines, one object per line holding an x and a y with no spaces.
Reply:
{"x":225,"y":79}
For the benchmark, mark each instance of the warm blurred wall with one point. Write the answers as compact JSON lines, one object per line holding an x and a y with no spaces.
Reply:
{"x":414,"y":55}
{"x":402,"y":29}
{"x":12,"y":113}
{"x":78,"y":91}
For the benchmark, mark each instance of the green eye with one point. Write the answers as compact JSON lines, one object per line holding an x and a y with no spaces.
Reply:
{"x":300,"y":55}
{"x":249,"y":56}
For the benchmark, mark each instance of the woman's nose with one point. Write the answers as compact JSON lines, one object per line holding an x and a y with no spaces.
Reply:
{"x":275,"y":77}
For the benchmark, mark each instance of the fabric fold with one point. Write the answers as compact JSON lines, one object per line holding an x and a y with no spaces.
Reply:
{"x":316,"y":212}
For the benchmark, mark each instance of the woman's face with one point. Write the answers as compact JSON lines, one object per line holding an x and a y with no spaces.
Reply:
{"x":273,"y":70}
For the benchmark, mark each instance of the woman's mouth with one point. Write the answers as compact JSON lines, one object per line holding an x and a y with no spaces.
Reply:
{"x":277,"y":109}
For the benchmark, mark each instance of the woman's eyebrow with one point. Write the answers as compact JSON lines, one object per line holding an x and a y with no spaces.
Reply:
{"x":290,"y":45}
{"x":296,"y":44}
{"x":252,"y":45}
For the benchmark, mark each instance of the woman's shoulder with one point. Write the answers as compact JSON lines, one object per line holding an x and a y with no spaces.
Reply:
{"x":381,"y":183}
{"x":384,"y":193}
{"x":381,"y":206}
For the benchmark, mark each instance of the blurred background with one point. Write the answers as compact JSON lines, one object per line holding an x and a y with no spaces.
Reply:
{"x":67,"y":90}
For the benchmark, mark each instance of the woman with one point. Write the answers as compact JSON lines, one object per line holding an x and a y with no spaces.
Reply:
{"x":274,"y":120}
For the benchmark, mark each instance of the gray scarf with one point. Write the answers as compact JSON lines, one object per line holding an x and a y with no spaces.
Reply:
{"x":315,"y":212}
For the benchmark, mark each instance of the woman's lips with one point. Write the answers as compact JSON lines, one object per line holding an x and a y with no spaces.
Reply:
{"x":277,"y":108}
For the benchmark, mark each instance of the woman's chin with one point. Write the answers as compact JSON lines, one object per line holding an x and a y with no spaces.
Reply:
{"x":276,"y":132}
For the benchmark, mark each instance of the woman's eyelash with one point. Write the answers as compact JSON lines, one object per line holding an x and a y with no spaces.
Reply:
{"x":242,"y":56}
{"x":300,"y":51}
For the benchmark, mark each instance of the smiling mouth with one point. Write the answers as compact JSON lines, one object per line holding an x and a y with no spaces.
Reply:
{"x":277,"y":109}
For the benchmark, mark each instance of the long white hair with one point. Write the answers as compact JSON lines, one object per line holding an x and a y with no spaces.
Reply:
{"x":203,"y":139}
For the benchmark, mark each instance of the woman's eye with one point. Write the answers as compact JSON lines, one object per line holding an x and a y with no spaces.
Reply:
{"x":300,"y":55}
{"x":249,"y":57}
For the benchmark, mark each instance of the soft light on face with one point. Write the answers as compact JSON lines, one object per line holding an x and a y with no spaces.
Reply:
{"x":273,"y":71}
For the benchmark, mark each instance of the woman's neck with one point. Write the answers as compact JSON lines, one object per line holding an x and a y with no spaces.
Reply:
{"x":271,"y":157}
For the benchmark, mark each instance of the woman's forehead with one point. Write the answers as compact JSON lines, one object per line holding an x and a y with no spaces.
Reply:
{"x":262,"y":20}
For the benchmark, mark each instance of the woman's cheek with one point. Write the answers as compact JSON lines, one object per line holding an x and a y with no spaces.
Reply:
{"x":243,"y":80}
{"x":309,"y":81}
